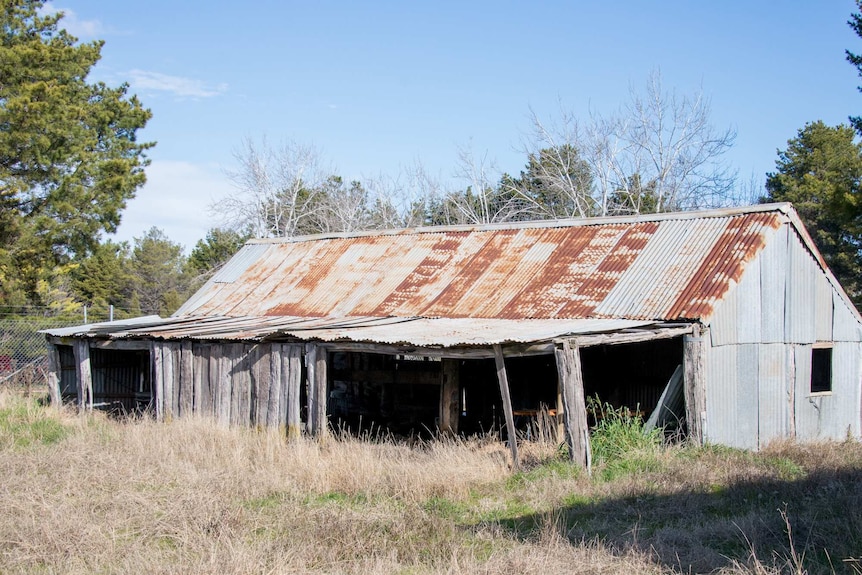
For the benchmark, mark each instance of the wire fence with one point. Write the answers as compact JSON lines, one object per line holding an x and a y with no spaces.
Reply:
{"x":23,"y":350}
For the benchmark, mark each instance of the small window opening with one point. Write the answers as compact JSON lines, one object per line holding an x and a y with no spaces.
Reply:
{"x":821,"y":370}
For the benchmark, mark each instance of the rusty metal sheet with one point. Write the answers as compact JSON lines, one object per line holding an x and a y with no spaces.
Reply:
{"x":660,"y":267}
{"x":415,"y":331}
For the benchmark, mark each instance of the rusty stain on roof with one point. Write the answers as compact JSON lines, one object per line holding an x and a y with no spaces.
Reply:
{"x":662,"y":268}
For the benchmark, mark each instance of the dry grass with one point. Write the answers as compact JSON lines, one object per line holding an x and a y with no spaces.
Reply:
{"x":190,"y":497}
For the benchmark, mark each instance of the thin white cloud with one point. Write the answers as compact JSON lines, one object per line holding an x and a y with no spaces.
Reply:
{"x":176,"y":85}
{"x":72,"y":23}
{"x":176,"y":199}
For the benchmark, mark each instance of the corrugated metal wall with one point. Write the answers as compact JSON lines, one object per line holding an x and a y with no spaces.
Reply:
{"x":759,"y":366}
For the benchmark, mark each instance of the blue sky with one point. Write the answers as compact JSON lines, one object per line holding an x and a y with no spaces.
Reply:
{"x":377,"y":86}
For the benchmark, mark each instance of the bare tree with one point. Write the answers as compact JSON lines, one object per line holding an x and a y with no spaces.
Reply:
{"x":658,"y":153}
{"x":276,"y":189}
{"x":484,"y":200}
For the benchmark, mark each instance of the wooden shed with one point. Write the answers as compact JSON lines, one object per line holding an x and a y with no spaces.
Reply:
{"x":726,"y":324}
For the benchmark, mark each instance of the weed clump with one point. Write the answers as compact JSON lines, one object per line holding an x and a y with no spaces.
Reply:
{"x":620,"y":443}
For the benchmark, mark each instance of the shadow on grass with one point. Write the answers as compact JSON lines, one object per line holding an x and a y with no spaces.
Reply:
{"x":813,"y":523}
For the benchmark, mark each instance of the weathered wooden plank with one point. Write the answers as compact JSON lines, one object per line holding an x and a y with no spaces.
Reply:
{"x":574,"y":404}
{"x":281,"y":352}
{"x":292,"y":378}
{"x":200,"y":378}
{"x":215,"y":379}
{"x":503,"y":380}
{"x":170,"y":367}
{"x":450,"y":395}
{"x":274,"y":406}
{"x":311,"y":387}
{"x":186,"y":378}
{"x":158,"y":379}
{"x":53,"y":376}
{"x":695,"y":396}
{"x":320,"y":394}
{"x":84,"y":373}
{"x":262,"y":386}
{"x":239,"y":404}
{"x":225,"y":382}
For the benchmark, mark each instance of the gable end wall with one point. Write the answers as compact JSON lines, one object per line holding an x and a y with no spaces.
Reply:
{"x":758,"y":369}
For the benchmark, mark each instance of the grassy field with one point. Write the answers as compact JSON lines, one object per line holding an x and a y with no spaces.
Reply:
{"x":85,"y":494}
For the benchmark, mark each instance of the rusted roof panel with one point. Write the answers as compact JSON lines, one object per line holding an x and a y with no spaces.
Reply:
{"x":664,"y":267}
{"x":421,"y":332}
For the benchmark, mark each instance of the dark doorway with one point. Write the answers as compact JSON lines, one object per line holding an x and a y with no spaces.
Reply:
{"x":397,"y":394}
{"x":532,"y":387}
{"x":121,"y":379}
{"x":631,"y":376}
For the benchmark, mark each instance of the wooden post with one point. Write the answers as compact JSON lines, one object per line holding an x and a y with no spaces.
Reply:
{"x":260,"y":370}
{"x":274,"y":410}
{"x":320,"y":394}
{"x":225,"y":382}
{"x":171,"y":384}
{"x":202,"y":403}
{"x":574,"y":404}
{"x":54,"y":374}
{"x":157,"y":379}
{"x":450,"y":396}
{"x":695,"y":395}
{"x":186,"y":378}
{"x":507,"y":404}
{"x":292,"y":377}
{"x":240,"y":412}
{"x":311,"y":387}
{"x":84,"y":373}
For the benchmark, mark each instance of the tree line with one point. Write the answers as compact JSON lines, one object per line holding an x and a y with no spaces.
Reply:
{"x":70,"y":160}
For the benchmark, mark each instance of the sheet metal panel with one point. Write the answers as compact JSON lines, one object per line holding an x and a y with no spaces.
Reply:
{"x":801,"y":293}
{"x":239,"y":263}
{"x":721,"y":395}
{"x":106,"y":327}
{"x":847,"y":383}
{"x":830,"y":415}
{"x":823,"y":312}
{"x":662,"y":269}
{"x":773,"y":400}
{"x":739,"y":243}
{"x":773,"y":286}
{"x":642,"y":268}
{"x":455,"y":332}
{"x":845,"y":326}
{"x":737,"y":318}
{"x":442,"y":332}
{"x":723,"y":327}
{"x":748,"y":396}
{"x":809,"y":419}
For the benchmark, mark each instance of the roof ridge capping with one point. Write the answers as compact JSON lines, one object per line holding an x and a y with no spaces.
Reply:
{"x":783,"y":207}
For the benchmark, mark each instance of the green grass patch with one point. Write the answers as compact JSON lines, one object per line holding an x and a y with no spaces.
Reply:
{"x":552,"y":469}
{"x":24,"y":425}
{"x":786,"y":468}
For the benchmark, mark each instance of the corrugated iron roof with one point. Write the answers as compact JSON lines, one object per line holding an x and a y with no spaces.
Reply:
{"x":419,"y":332}
{"x":661,"y":267}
